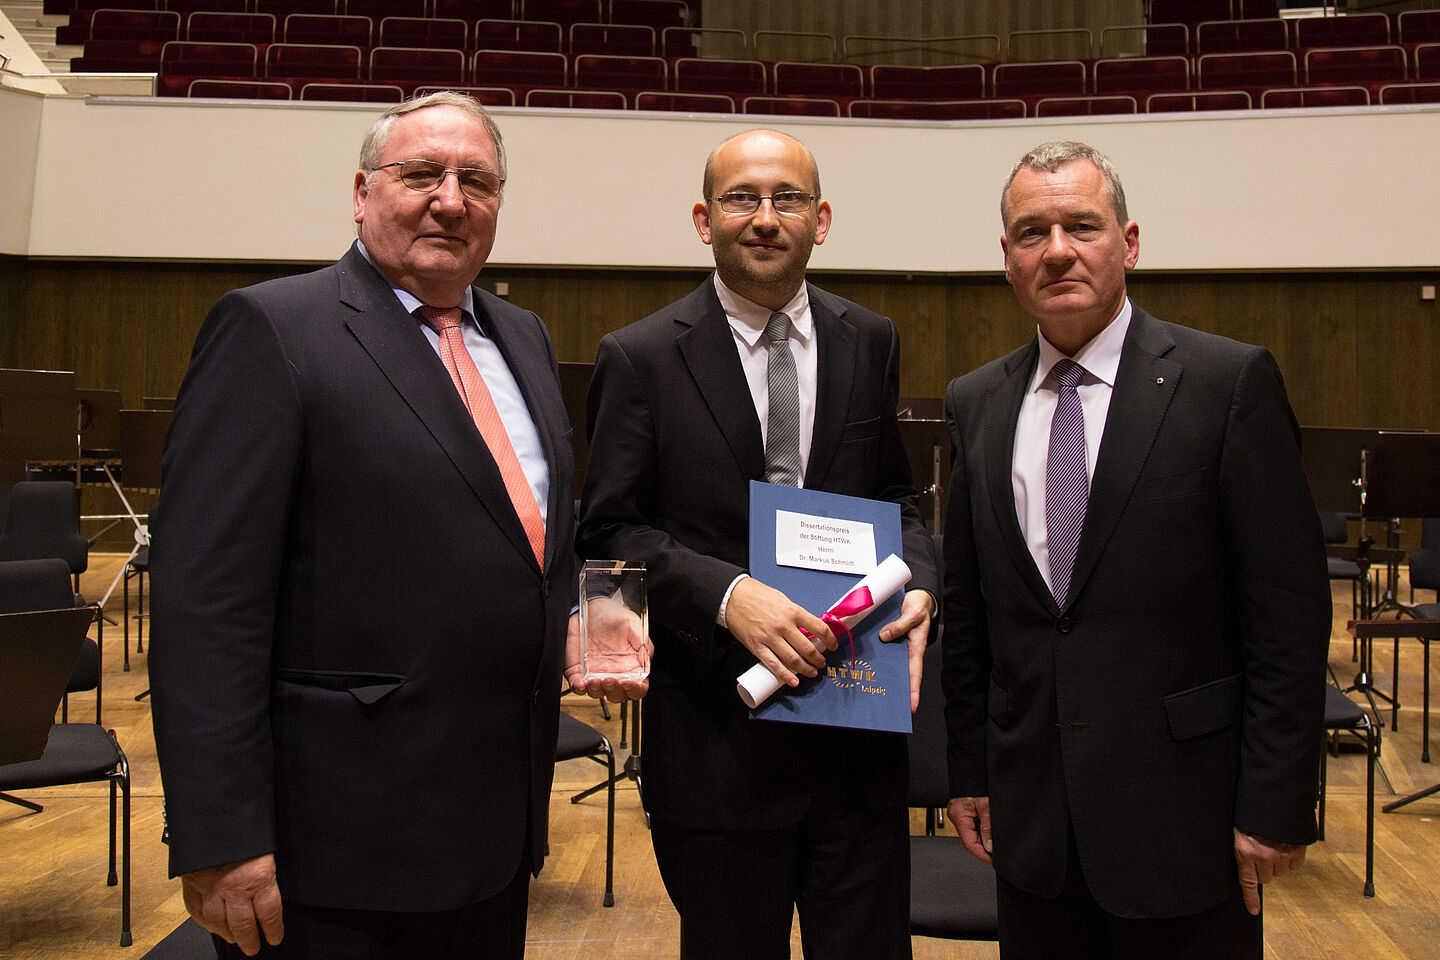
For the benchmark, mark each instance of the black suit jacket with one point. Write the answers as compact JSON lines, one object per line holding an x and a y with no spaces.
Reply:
{"x":674,"y":440}
{"x":356,"y":658}
{"x":1179,"y":693}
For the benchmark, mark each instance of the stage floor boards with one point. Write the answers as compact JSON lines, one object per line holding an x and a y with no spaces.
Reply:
{"x":54,"y":904}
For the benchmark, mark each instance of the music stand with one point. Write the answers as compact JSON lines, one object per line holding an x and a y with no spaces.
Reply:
{"x":38,"y":650}
{"x":1402,"y":480}
{"x":99,"y":422}
{"x":37,"y":416}
{"x":142,"y":445}
{"x":927,"y":445}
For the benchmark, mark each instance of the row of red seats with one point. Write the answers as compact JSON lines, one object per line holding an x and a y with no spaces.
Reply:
{"x":656,"y":13}
{"x":988,"y":108}
{"x":1367,"y":67}
{"x":391,"y":31}
{"x":1300,"y":33}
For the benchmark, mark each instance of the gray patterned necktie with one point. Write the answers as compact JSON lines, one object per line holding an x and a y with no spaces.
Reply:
{"x":782,"y":436}
{"x":1067,"y":482}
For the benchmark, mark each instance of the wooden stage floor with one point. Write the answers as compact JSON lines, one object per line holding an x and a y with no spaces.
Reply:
{"x":54,"y":904}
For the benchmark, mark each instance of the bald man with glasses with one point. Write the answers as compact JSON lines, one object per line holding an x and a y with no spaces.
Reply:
{"x":757,"y":375}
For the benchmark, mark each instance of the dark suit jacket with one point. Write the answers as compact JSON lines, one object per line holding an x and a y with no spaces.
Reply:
{"x":356,"y":659}
{"x":674,"y":440}
{"x":1180,"y":692}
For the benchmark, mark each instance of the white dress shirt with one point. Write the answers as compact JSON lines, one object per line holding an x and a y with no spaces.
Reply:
{"x":504,"y":390}
{"x":1101,"y":359}
{"x":747,"y":323}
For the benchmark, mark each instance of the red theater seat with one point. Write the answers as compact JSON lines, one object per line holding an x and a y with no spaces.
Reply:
{"x":1196,"y":101}
{"x":489,"y":96}
{"x":411,"y":66}
{"x":577,"y":99}
{"x":1291,"y":97}
{"x":1046,"y":78}
{"x":973,"y":109}
{"x":684,"y":102}
{"x":313,"y":61}
{"x":1410,"y":93}
{"x":845,"y":80}
{"x":1149,"y":74}
{"x":432,"y":32}
{"x":961,"y":81}
{"x":1084,"y":106}
{"x":221,"y":27}
{"x":352,"y":92}
{"x":624,"y":40}
{"x":656,"y":14}
{"x":1418,"y":26}
{"x":238,"y":89}
{"x":563,"y":12}
{"x":1246,"y":71}
{"x":792,"y":106}
{"x":1351,"y":30}
{"x":1372,"y":67}
{"x":519,"y":69}
{"x":327,"y":29}
{"x":732,"y":77}
{"x":1238,"y":36}
{"x":520,"y":35}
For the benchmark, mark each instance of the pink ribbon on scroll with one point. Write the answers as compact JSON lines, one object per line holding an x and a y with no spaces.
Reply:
{"x":856,"y":601}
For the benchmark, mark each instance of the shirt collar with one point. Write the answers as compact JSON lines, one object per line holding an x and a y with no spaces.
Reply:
{"x":408,"y":299}
{"x":1100,"y":356}
{"x":748,"y":318}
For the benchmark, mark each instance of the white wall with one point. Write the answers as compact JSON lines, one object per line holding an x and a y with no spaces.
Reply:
{"x":137,"y":178}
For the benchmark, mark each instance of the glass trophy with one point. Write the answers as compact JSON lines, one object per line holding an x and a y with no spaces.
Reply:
{"x":614,"y":621}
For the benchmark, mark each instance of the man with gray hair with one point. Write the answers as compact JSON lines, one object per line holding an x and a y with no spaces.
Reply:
{"x":1137,"y":612}
{"x":363,"y":576}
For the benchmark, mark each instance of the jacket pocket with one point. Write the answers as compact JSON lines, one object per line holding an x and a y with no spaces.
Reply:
{"x":367,"y":688}
{"x":1204,"y":709}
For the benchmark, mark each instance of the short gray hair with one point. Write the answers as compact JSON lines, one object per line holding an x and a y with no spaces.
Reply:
{"x":1055,"y":154}
{"x":378,"y":136}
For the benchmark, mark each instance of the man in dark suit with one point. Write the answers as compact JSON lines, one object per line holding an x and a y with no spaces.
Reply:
{"x":1137,"y":612}
{"x":751,"y":819}
{"x":361,"y":590}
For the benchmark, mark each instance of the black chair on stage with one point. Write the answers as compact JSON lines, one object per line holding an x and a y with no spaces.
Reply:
{"x":580,"y":740}
{"x":952,"y":895}
{"x":43,"y":520}
{"x":1335,"y":529}
{"x":45,"y":585}
{"x":1344,"y":714}
{"x":37,"y":652}
{"x":1425,"y":569}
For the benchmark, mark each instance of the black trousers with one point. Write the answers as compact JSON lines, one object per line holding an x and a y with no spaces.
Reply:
{"x":1073,"y":926}
{"x":846,"y":872}
{"x":493,"y":929}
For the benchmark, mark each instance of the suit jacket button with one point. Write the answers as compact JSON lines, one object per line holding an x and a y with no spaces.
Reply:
{"x":1063,"y":625}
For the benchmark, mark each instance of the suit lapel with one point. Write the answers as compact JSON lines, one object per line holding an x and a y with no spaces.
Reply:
{"x":834,"y":380}
{"x":537,"y":381}
{"x":707,"y":345}
{"x":1144,"y":385}
{"x":1002,"y":415}
{"x":395,"y":343}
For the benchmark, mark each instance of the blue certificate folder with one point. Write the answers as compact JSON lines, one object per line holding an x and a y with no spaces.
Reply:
{"x":874,"y":692}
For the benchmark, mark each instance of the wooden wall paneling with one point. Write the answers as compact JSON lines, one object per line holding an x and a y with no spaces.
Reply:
{"x":1356,"y":349}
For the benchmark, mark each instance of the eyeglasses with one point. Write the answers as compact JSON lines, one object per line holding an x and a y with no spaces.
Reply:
{"x":789,"y":201}
{"x":423,"y":176}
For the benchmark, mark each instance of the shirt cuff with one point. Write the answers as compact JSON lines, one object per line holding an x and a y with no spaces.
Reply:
{"x":725,"y":600}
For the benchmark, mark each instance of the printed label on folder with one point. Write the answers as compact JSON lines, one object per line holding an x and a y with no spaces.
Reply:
{"x":823,"y":543}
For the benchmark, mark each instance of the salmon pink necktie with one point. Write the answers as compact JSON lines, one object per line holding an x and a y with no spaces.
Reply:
{"x":477,"y":399}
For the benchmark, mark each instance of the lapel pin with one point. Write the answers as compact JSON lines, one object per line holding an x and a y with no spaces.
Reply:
{"x":1159,"y":379}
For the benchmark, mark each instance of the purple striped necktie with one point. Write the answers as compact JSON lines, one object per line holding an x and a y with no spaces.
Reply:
{"x":1067,"y":483}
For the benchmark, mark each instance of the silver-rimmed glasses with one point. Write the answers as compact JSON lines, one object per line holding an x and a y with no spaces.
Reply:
{"x":423,"y":176}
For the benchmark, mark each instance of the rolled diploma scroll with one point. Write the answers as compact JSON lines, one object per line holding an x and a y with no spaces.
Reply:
{"x":758,"y":683}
